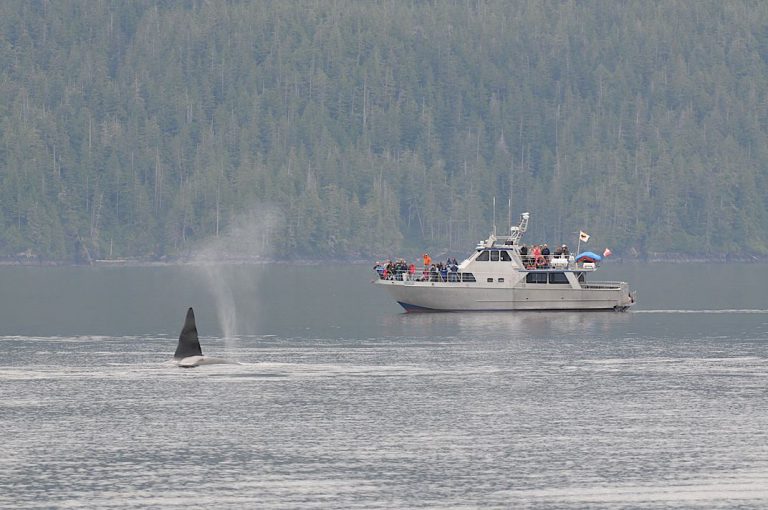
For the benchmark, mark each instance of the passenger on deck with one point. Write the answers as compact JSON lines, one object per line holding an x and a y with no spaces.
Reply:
{"x":453,"y":276}
{"x":524,"y":255}
{"x":379,"y":268}
{"x":443,"y":272}
{"x":427,"y":260}
{"x":402,"y":269}
{"x":538,"y":260}
{"x":412,"y":271}
{"x":546,"y":254}
{"x":565,"y":251}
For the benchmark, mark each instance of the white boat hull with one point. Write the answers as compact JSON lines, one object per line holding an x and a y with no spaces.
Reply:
{"x":443,"y":296}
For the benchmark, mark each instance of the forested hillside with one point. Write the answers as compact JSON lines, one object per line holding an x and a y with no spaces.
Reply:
{"x":138,"y":129}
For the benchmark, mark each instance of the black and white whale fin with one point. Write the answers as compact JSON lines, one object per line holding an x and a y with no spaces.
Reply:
{"x":189,"y":345}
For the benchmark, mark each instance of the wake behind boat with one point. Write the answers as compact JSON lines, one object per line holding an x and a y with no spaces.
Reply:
{"x":501,"y":275}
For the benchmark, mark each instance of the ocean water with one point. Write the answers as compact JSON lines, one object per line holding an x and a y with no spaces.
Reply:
{"x":340,"y":400}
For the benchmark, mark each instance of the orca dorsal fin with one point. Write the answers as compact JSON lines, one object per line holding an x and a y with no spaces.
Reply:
{"x":189,"y":345}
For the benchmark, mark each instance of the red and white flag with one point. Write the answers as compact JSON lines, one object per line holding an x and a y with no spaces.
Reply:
{"x":607,"y":253}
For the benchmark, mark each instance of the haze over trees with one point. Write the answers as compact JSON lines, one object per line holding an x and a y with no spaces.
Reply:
{"x":137,"y":129}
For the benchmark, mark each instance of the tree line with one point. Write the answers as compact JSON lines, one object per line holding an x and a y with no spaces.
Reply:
{"x":140,"y":129}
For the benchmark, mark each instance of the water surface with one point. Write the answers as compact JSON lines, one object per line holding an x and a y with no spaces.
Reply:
{"x":342,"y":401}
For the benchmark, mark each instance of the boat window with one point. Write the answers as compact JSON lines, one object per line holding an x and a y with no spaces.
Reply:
{"x":494,"y":256}
{"x":505,"y":256}
{"x":467,"y":277}
{"x":558,"y":278}
{"x":489,"y":280}
{"x":582,"y":277}
{"x":483,"y":257}
{"x":501,"y":280}
{"x":536,"y":278}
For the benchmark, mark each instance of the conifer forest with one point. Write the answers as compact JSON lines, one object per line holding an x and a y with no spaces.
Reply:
{"x":139,"y":129}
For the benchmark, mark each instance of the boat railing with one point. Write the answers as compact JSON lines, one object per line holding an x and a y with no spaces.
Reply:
{"x":602,"y":285}
{"x":561,"y":262}
{"x":427,"y":275}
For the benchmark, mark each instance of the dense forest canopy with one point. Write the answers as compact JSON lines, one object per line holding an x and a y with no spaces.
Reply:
{"x":138,"y":129}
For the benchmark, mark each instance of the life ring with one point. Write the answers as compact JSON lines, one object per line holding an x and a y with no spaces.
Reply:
{"x":540,"y":261}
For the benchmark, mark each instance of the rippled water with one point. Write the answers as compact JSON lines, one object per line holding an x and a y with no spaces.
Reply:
{"x":339,"y":400}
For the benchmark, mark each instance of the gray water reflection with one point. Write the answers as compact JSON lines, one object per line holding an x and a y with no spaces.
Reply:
{"x":314,"y":300}
{"x":341,"y":400}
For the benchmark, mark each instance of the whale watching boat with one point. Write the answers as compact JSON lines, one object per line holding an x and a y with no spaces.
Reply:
{"x":498,"y":277}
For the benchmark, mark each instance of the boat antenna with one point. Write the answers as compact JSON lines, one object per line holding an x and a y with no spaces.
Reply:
{"x":509,"y":214}
{"x":494,"y":215}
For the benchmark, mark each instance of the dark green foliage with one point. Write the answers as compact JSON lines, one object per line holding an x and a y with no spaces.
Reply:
{"x":137,"y":129}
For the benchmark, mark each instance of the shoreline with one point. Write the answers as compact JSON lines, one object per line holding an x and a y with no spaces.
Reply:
{"x":651,"y":259}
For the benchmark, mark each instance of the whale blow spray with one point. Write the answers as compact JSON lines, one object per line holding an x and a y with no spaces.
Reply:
{"x":246,"y":241}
